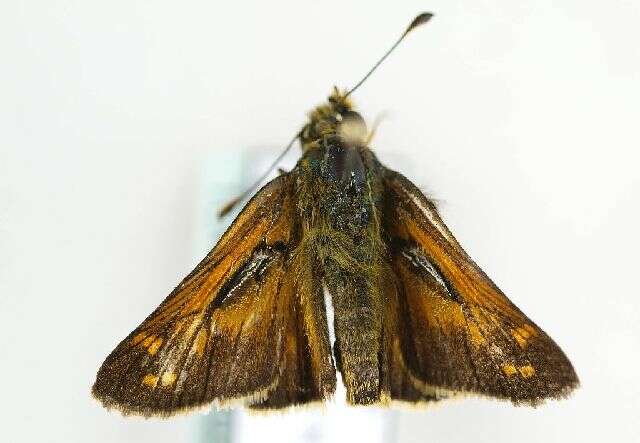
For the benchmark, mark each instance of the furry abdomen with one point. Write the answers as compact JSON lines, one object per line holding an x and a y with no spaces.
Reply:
{"x":349,"y":256}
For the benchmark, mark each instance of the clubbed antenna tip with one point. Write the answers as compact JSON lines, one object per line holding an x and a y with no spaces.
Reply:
{"x":420,"y":20}
{"x":228,"y":207}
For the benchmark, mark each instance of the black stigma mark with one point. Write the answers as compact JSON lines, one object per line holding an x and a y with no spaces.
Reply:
{"x":427,"y":269}
{"x":254,"y":267}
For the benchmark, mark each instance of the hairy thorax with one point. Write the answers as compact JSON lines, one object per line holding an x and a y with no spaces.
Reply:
{"x":339,"y":187}
{"x":339,"y":199}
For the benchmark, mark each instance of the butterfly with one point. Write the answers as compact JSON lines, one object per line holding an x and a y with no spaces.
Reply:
{"x":416,"y":320}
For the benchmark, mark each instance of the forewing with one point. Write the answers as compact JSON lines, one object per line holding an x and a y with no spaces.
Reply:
{"x":461,"y":333}
{"x":221,"y":336}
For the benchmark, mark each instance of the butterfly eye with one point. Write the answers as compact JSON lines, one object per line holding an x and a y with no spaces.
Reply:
{"x":352,"y":129}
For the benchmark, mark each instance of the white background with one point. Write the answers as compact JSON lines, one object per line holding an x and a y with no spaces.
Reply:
{"x":520,"y":116}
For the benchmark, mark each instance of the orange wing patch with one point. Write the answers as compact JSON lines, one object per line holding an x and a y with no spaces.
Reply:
{"x":465,"y":334}
{"x":226,"y":333}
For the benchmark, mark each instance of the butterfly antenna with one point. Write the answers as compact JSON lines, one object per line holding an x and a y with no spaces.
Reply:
{"x":233,"y":203}
{"x":418,"y":21}
{"x":421,"y":19}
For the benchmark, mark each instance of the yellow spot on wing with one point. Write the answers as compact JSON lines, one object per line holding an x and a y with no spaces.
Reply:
{"x":201,"y":342}
{"x":522,"y":342}
{"x":168,"y":378}
{"x":527,"y":371}
{"x":138,"y":338}
{"x":509,"y":369}
{"x":147,"y":341}
{"x":155,"y":346}
{"x":522,"y":335}
{"x":523,"y":332}
{"x":150,"y":380}
{"x":476,"y":336}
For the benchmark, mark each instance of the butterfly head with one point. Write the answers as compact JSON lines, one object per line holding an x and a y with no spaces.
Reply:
{"x":334,"y":119}
{"x":333,"y":141}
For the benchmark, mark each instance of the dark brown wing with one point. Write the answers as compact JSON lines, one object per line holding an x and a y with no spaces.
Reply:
{"x":460,"y":333}
{"x":237,"y":329}
{"x":308,"y":374}
{"x":397,"y":383}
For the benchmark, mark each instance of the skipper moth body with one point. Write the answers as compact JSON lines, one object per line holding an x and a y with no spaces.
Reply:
{"x":416,"y":320}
